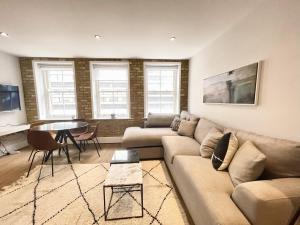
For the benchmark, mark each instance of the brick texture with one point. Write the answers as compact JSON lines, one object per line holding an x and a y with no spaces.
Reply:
{"x":83,"y":92}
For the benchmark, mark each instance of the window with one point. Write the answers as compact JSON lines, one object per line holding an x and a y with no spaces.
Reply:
{"x":162,"y":87}
{"x":55,"y":87}
{"x":110,"y":89}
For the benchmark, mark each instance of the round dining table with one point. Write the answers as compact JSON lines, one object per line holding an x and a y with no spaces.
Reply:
{"x":62,"y":130}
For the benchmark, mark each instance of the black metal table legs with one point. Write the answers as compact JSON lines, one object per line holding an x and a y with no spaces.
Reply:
{"x":122,"y":189}
{"x":62,"y":137}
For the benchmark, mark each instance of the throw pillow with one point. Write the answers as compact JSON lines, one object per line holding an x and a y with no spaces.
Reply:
{"x":184,"y":115}
{"x":187,"y":128}
{"x":224,"y":151}
{"x":175,"y":123}
{"x":210,"y":142}
{"x":247,"y":164}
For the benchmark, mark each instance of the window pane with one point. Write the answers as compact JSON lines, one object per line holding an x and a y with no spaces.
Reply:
{"x":110,"y":94}
{"x":162,"y":89}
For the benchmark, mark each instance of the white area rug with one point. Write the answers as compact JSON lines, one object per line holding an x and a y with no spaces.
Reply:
{"x":75,"y":196}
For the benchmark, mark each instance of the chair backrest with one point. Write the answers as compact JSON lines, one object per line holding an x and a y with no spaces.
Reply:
{"x":41,"y":140}
{"x":80,"y":129}
{"x":95,"y":131}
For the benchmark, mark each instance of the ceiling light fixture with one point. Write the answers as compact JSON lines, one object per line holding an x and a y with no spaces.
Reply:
{"x":172,"y":38}
{"x":3,"y":34}
{"x":98,"y":37}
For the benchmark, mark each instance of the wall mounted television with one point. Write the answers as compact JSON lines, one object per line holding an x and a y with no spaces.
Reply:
{"x":9,"y":98}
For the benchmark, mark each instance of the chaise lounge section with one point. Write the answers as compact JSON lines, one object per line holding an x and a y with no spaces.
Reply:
{"x":210,"y":195}
{"x":148,"y":140}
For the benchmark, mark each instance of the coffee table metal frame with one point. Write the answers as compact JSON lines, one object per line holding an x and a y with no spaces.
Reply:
{"x":122,"y":189}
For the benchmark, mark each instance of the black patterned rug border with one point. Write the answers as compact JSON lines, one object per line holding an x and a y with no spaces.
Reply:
{"x":52,"y":190}
{"x":71,"y":202}
{"x":83,"y":197}
{"x":21,"y":187}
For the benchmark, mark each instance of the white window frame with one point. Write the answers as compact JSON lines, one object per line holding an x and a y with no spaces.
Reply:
{"x":36,"y":72}
{"x":146,"y":85}
{"x":92,"y":63}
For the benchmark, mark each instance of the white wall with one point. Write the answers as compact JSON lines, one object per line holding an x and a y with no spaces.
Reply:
{"x":10,"y":74}
{"x":270,"y":33}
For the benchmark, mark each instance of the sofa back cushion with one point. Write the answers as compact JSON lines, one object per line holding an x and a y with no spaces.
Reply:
{"x":283,"y":156}
{"x":159,"y":120}
{"x":203,"y":127}
{"x":184,"y":115}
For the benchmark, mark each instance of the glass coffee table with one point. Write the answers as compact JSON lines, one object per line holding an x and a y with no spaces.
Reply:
{"x":123,"y":178}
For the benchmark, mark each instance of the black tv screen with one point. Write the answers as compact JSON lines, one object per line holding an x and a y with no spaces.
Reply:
{"x":9,"y":98}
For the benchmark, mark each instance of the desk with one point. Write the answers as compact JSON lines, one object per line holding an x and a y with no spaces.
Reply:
{"x":7,"y":130}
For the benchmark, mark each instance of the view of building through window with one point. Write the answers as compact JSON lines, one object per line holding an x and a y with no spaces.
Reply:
{"x":110,"y":89}
{"x":162,"y":87}
{"x":56,"y":90}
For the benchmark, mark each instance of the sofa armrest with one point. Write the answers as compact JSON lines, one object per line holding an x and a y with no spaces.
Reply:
{"x":269,"y":202}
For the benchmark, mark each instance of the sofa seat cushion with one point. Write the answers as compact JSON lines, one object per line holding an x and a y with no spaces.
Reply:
{"x":179,"y":145}
{"x":269,"y":202}
{"x":145,"y":137}
{"x":206,"y":192}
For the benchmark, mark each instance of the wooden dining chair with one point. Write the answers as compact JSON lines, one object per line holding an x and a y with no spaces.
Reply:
{"x":90,"y":136}
{"x":42,"y":141}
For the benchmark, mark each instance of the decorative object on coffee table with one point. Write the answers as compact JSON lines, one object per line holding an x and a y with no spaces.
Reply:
{"x":123,"y":178}
{"x":125,"y":156}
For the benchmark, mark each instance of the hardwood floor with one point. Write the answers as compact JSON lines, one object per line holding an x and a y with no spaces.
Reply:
{"x":12,"y":167}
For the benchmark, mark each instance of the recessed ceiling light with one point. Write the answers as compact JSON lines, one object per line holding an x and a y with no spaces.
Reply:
{"x":3,"y":34}
{"x":98,"y":37}
{"x":172,"y":38}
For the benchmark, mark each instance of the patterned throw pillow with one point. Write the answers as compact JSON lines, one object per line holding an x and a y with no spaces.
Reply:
{"x":225,"y":151}
{"x":175,"y":124}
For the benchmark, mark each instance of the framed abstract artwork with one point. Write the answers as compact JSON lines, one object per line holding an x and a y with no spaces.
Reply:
{"x":238,"y":86}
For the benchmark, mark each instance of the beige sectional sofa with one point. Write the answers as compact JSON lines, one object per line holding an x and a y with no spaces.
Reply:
{"x":209,"y":195}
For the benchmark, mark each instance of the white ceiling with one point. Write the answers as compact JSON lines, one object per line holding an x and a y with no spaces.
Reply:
{"x":130,"y":28}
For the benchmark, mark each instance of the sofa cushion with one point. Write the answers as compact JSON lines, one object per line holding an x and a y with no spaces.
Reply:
{"x":206,"y":192}
{"x":184,"y":115}
{"x":224,"y":152}
{"x":159,"y":120}
{"x":269,"y":202}
{"x":187,"y":128}
{"x":247,"y":164}
{"x":210,"y":142}
{"x":145,"y":137}
{"x":283,"y":156}
{"x":175,"y":123}
{"x":203,"y":127}
{"x":179,"y":145}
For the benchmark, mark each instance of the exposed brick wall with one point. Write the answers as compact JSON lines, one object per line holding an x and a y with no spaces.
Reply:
{"x":184,"y":86}
{"x":29,"y":89}
{"x":84,"y":99}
